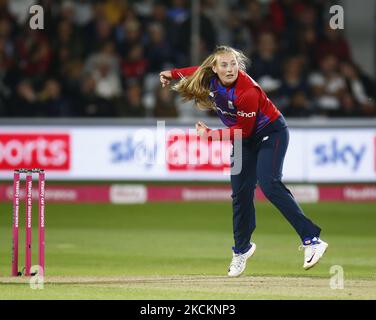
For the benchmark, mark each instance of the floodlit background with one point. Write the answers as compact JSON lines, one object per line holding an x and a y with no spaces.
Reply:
{"x":132,"y":199}
{"x":102,"y":58}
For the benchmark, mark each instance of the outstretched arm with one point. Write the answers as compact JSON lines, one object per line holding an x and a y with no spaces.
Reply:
{"x":183,"y":72}
{"x":166,"y":76}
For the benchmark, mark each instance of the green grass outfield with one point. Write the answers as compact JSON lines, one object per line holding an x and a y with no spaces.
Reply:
{"x":182,"y":250}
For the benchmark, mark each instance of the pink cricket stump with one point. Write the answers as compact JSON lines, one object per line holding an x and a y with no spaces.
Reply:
{"x":16,"y":209}
{"x":29,"y":208}
{"x":41,"y":229}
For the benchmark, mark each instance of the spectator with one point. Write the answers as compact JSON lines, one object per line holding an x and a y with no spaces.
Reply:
{"x":53,"y":103}
{"x":165,"y":106}
{"x":34,"y":53}
{"x":299,"y":106}
{"x":158,"y":51}
{"x":99,"y":31}
{"x":357,"y":87}
{"x":25,"y":102}
{"x":68,"y":38}
{"x":104,"y":67}
{"x":83,"y":12}
{"x":67,"y":11}
{"x":71,"y":82}
{"x":128,"y":35}
{"x":134,"y":66}
{"x":134,"y":106}
{"x":327,"y":86}
{"x":67,"y":48}
{"x":293,"y":82}
{"x":235,"y":35}
{"x":282,"y":14}
{"x":102,"y":45}
{"x":307,"y":17}
{"x":305,"y":45}
{"x":178,"y":11}
{"x":114,"y":10}
{"x":217,"y":12}
{"x":144,"y":8}
{"x":89,"y":104}
{"x":159,"y":15}
{"x":266,"y":61}
{"x":254,"y":18}
{"x":7,"y":65}
{"x":349,"y":108}
{"x":208,"y":37}
{"x":333,"y":43}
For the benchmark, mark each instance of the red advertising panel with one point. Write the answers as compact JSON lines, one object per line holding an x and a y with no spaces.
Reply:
{"x":48,"y":151}
{"x":188,"y":152}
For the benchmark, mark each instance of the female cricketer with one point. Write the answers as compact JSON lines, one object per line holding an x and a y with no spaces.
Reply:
{"x":221,"y":83}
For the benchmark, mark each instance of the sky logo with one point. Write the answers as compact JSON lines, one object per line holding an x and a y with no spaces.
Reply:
{"x":135,"y":151}
{"x":335,"y":153}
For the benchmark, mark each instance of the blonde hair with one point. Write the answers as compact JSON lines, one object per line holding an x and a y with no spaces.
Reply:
{"x":196,"y":86}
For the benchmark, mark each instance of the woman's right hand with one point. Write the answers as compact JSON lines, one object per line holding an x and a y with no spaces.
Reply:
{"x":165,"y":77}
{"x":202,"y":129}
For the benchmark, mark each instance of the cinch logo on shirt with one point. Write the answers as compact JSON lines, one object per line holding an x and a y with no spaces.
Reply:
{"x":247,"y":115}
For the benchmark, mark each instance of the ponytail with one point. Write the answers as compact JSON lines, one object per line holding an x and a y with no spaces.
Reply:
{"x":197,"y":86}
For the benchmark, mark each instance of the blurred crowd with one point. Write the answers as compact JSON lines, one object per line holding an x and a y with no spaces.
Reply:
{"x":102,"y":58}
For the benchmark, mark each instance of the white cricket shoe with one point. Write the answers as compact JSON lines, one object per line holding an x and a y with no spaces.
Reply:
{"x":313,"y":252}
{"x":239,"y":261}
